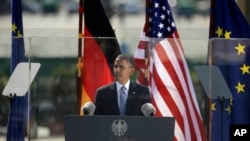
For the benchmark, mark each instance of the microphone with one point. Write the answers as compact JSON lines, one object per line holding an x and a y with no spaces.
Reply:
{"x":148,"y":109}
{"x":88,"y":108}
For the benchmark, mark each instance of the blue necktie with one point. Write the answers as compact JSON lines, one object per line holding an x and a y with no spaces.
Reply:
{"x":122,"y":100}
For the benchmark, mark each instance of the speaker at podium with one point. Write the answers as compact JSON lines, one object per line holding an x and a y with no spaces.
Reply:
{"x":118,"y":128}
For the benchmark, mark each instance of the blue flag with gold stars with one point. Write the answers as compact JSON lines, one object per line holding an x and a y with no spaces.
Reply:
{"x":18,"y":105}
{"x":230,"y":51}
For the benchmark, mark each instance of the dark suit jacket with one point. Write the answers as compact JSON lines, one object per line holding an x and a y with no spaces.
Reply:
{"x":106,"y":99}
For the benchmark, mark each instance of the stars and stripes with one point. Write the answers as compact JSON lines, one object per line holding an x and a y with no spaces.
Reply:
{"x":162,"y":66}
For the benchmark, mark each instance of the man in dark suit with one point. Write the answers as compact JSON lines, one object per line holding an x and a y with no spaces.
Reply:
{"x":122,"y":97}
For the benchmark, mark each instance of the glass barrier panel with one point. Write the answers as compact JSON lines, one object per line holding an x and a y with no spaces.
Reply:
{"x":54,"y":91}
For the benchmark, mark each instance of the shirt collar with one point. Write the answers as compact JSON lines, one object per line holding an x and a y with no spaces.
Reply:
{"x":119,"y":85}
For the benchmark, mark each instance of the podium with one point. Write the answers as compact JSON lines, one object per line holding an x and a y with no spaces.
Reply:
{"x":118,"y":128}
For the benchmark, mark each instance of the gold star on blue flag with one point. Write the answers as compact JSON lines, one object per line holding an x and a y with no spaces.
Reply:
{"x":18,"y":104}
{"x":229,"y":31}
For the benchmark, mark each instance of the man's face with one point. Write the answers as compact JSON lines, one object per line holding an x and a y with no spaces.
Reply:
{"x":122,"y":70}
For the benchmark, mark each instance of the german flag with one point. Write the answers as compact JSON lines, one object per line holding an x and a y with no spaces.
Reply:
{"x":100,"y":48}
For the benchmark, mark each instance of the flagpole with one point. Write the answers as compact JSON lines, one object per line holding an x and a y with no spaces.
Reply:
{"x":209,"y":121}
{"x":147,"y":54}
{"x":210,"y":63}
{"x":79,"y":64}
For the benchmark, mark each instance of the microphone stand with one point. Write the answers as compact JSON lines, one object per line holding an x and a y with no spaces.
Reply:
{"x":221,"y":100}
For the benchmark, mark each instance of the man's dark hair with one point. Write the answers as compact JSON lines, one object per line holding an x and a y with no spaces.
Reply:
{"x":128,"y":58}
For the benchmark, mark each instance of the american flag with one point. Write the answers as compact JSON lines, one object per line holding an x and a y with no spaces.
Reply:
{"x":161,"y":62}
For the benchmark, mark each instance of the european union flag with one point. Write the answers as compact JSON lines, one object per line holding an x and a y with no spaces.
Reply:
{"x":18,"y":105}
{"x":231,"y":53}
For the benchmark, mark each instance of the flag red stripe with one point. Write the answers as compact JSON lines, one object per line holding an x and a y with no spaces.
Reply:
{"x":171,"y":86}
{"x":140,"y":77}
{"x":179,"y":86}
{"x":140,"y":52}
{"x":168,"y":99}
{"x":200,"y":126}
{"x":163,"y":90}
{"x":194,"y":106}
{"x":184,"y":96}
{"x":175,"y":111}
{"x":171,"y":70}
